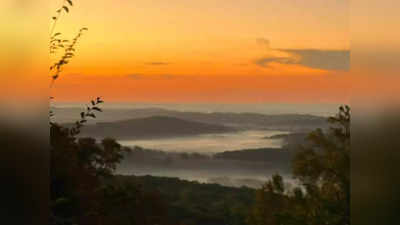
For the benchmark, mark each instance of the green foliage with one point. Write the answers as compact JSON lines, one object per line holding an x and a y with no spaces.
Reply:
{"x":126,"y":203}
{"x":194,"y":203}
{"x":78,"y":167}
{"x":270,"y":201}
{"x":323,"y":170}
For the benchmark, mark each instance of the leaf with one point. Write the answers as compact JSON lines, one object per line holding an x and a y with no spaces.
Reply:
{"x":58,"y":33}
{"x":91,"y":115}
{"x":70,"y":2}
{"x":54,"y":18}
{"x":65,"y":8}
{"x":97,"y":109}
{"x":60,"y":201}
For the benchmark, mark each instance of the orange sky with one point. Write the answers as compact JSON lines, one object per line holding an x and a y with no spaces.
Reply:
{"x":207,"y":51}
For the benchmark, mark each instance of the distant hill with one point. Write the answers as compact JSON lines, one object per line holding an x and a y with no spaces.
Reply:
{"x":285,"y":122}
{"x":250,"y":161}
{"x":151,"y":127}
{"x":291,"y":140}
{"x":277,"y":136}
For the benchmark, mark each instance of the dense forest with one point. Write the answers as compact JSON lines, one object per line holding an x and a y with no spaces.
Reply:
{"x":84,"y":189}
{"x":190,"y":202}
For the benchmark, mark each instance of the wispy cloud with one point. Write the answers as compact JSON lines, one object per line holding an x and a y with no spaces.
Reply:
{"x":263,"y":42}
{"x":151,"y":77}
{"x":135,"y":76}
{"x":312,"y":58}
{"x":157,"y":63}
{"x":265,"y":61}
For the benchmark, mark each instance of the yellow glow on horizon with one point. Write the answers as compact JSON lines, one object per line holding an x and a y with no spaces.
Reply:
{"x":156,"y":43}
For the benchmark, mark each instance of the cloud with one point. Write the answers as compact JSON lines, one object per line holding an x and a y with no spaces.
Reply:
{"x":265,"y":61}
{"x":263,"y":42}
{"x":323,"y":59}
{"x":240,"y":64}
{"x":151,"y":77}
{"x":135,"y":76}
{"x":312,"y":58}
{"x":157,"y":63}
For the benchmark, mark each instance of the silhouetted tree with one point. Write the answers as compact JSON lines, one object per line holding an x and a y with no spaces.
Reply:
{"x":77,"y":169}
{"x":323,"y":170}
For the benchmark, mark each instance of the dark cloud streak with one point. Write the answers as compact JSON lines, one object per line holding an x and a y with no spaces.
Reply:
{"x":265,"y":61}
{"x":151,"y":77}
{"x":157,"y":63}
{"x":312,"y":58}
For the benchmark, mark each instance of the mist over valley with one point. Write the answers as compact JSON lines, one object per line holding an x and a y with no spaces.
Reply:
{"x":228,"y":148}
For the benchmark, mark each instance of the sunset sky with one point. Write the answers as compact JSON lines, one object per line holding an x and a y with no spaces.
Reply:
{"x":207,"y":51}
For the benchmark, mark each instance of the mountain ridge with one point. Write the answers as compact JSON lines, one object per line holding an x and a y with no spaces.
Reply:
{"x":285,"y":122}
{"x":151,"y":127}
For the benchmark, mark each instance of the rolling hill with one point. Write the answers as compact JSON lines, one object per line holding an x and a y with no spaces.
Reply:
{"x":243,"y":121}
{"x":151,"y":127}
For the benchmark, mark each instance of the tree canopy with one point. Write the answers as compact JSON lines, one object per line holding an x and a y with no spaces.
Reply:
{"x":322,"y":168}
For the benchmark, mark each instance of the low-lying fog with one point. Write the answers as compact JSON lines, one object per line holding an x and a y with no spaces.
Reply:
{"x":200,"y":163}
{"x":214,"y":145}
{"x":225,"y":178}
{"x":211,"y":143}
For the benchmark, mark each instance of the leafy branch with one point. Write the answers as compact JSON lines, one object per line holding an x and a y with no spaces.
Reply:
{"x":56,"y":42}
{"x":69,"y":48}
{"x":84,"y":116}
{"x":90,"y":112}
{"x":64,"y":8}
{"x":69,"y":51}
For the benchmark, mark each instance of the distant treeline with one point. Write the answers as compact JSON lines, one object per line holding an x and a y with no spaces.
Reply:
{"x":159,"y":123}
{"x":258,"y":154}
{"x":188,"y":202}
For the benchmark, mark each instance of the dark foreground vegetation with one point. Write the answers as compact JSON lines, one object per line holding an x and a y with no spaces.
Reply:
{"x":84,"y":189}
{"x":188,"y":202}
